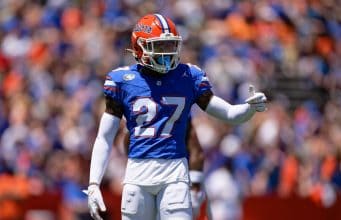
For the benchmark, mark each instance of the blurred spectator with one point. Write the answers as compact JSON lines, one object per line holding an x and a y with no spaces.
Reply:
{"x":54,"y":55}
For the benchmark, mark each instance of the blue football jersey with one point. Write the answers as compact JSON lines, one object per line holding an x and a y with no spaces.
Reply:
{"x":156,"y":108}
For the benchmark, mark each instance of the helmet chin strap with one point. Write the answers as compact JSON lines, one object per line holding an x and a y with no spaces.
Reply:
{"x":164,"y":60}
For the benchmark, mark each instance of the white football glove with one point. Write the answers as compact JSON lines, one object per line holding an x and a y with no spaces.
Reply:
{"x":198,"y":194}
{"x":197,"y":197}
{"x":257,"y":100}
{"x":95,"y":201}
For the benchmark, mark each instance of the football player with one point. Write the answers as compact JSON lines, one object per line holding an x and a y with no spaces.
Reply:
{"x":155,"y":96}
{"x":196,"y":165}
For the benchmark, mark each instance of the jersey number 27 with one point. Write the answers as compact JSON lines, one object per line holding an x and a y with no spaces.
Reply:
{"x":146,"y":109}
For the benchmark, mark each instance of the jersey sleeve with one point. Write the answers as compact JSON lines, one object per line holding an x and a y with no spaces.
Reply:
{"x":201,"y":82}
{"x":111,"y":88}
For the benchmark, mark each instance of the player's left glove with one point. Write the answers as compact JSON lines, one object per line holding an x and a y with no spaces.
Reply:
{"x":257,"y":100}
{"x":198,"y":195}
{"x":95,"y":201}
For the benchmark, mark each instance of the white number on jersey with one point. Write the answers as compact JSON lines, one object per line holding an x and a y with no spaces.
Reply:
{"x":146,"y":109}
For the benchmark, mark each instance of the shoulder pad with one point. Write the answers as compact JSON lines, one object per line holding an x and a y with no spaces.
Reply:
{"x":195,"y":70}
{"x":122,"y":74}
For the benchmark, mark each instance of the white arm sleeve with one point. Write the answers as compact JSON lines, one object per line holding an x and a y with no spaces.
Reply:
{"x":233,"y":114}
{"x":107,"y":130}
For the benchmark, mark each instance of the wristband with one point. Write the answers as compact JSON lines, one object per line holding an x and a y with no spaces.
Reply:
{"x":196,"y":176}
{"x":93,"y":183}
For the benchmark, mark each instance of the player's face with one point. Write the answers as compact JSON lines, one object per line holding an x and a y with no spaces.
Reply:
{"x":161,"y":54}
{"x":165,"y":46}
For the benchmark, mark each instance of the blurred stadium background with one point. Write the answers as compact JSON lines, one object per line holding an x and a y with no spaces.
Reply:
{"x":283,"y":164}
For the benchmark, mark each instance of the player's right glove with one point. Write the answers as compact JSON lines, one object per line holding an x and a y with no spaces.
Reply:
{"x":257,"y":100}
{"x":95,"y":201}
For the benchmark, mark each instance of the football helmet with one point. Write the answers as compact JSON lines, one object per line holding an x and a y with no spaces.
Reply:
{"x":156,"y":43}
